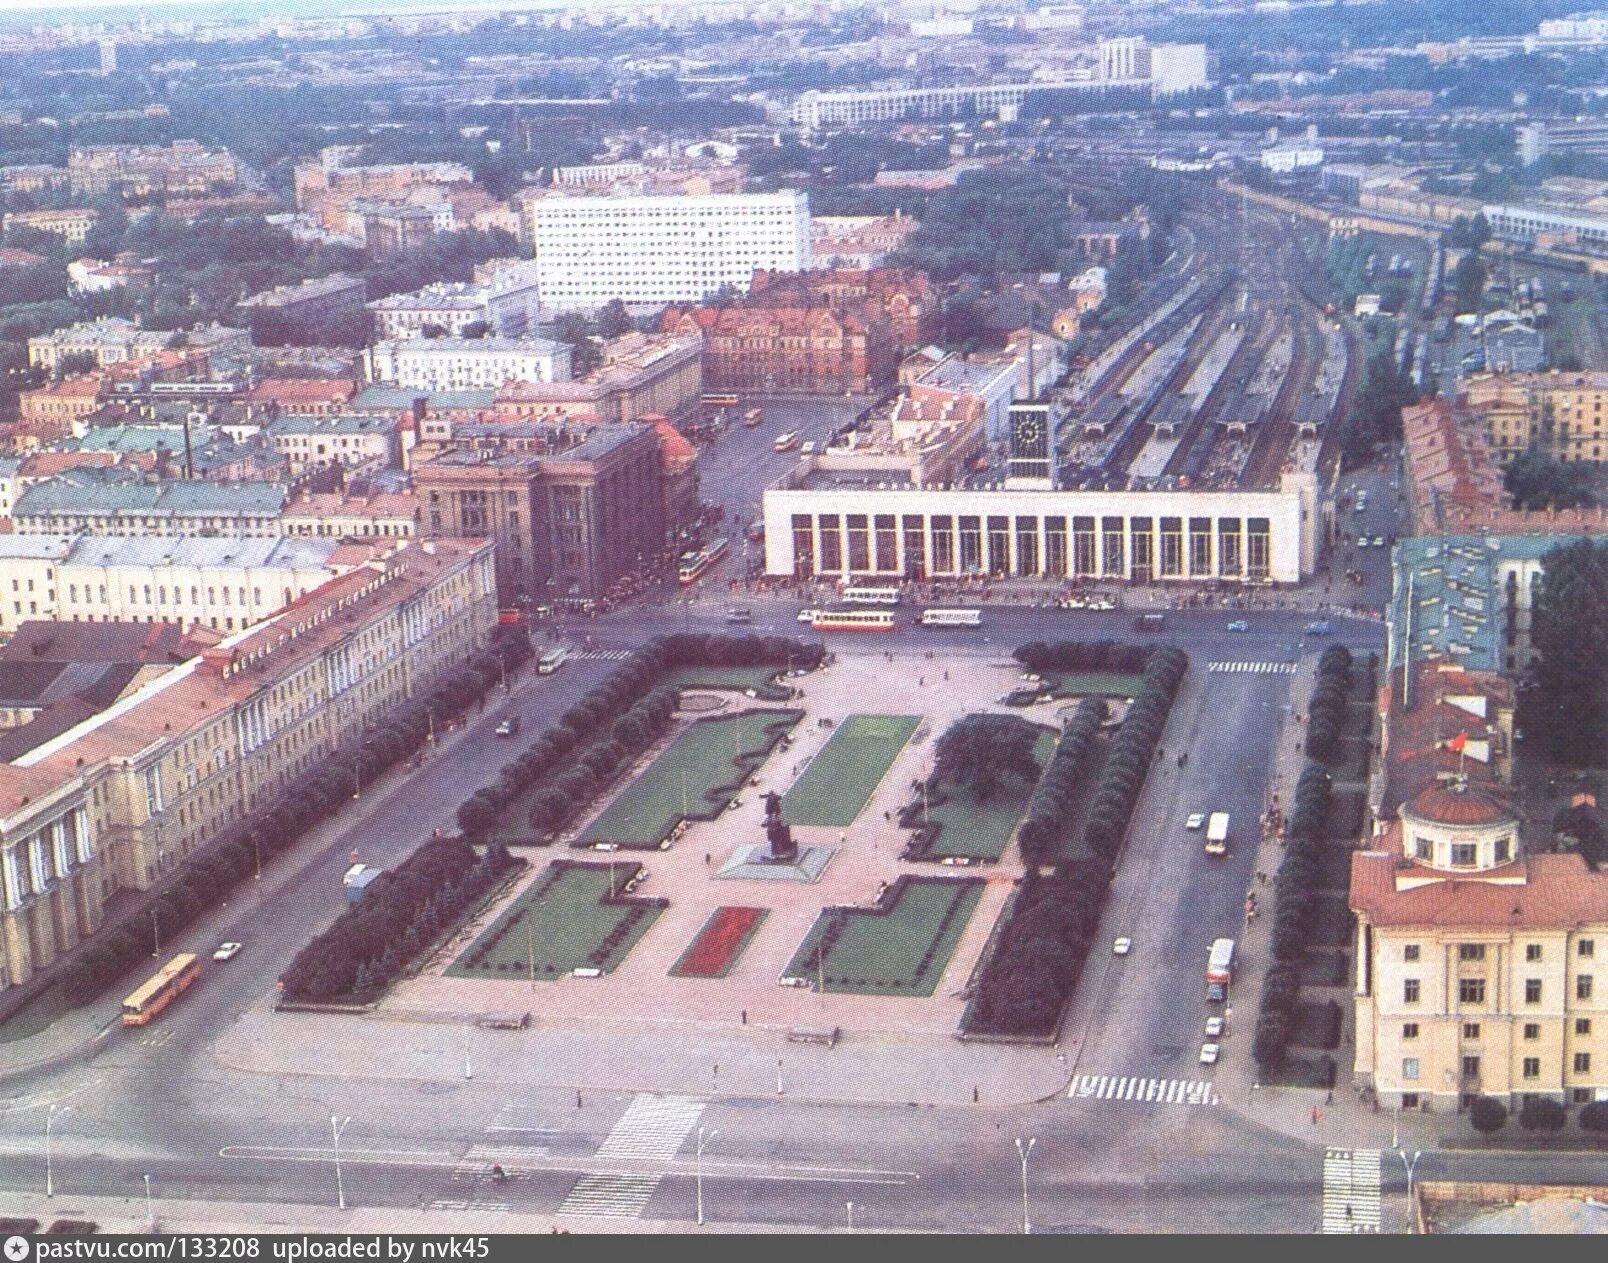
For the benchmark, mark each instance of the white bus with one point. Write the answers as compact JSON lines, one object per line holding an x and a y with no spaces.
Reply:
{"x":852,"y":595}
{"x":1217,"y":833}
{"x":1220,"y":961}
{"x":852,"y":620}
{"x":551,"y":661}
{"x":951,"y":618}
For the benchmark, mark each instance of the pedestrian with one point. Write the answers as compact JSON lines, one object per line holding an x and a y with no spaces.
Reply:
{"x":1329,"y":1100}
{"x":843,"y":837}
{"x":946,"y":677}
{"x":921,"y":681}
{"x":707,"y":859}
{"x":1316,"y":1114}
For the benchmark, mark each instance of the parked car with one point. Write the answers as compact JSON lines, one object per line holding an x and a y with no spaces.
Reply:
{"x":1214,"y":1027}
{"x":1197,"y":820}
{"x":1378,"y":541}
{"x":1122,"y":947}
{"x":1319,"y":628}
{"x":1239,"y":625}
{"x":1216,"y":992}
{"x":509,"y":727}
{"x":1208,"y":1054}
{"x":226,"y":951}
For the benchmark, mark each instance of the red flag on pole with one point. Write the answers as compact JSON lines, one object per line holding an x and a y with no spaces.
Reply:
{"x":1457,"y":743}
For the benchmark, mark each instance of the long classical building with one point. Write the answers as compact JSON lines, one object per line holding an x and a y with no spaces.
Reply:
{"x":441,"y":364}
{"x":125,"y":798}
{"x":654,"y":249}
{"x":225,"y":584}
{"x":826,"y":518}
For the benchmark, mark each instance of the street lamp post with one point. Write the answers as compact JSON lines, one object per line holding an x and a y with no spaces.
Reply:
{"x":1023,"y":1148}
{"x":50,"y":1169}
{"x":778,"y":1076}
{"x":704,"y":1137}
{"x":1410,"y":1164}
{"x":468,"y":1066}
{"x":150,"y":1212}
{"x":336,"y":1127}
{"x":850,"y":1207}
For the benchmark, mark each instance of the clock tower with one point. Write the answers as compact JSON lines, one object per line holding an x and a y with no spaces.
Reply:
{"x":1030,"y":464}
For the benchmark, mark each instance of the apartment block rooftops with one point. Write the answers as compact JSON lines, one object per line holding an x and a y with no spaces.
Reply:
{"x":235,"y":668}
{"x":171,"y":499}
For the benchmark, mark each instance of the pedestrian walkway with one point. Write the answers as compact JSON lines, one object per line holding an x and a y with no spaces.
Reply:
{"x":1351,"y":1190}
{"x":652,"y":1127}
{"x":1253,"y":668}
{"x":1142,"y":1091}
{"x":610,"y":1196}
{"x":601,"y":655}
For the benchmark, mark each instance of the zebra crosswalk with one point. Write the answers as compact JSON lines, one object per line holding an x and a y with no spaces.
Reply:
{"x":515,"y":1160}
{"x":601,"y":655}
{"x":652,"y":1129}
{"x":1253,"y":668}
{"x":610,"y":1196}
{"x":1142,"y":1091}
{"x":468,"y":1203}
{"x":1351,"y":1190}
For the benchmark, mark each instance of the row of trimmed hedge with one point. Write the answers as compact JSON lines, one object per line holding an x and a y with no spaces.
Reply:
{"x":574,"y":760}
{"x":1053,"y":800}
{"x":402,"y":912}
{"x":1039,"y":955}
{"x":208,"y":878}
{"x":1085,"y":655}
{"x":1295,"y":894}
{"x":1331,"y":698}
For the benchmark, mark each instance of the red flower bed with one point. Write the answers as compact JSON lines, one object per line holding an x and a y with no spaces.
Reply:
{"x":718,"y":943}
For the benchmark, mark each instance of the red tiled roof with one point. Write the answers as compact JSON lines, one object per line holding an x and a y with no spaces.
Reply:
{"x":1555,"y":891}
{"x":1458,"y":804}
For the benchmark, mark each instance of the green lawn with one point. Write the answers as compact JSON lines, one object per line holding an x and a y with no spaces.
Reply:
{"x":738,"y":678}
{"x":560,"y":923}
{"x":838,"y":783}
{"x":902,"y":951}
{"x":1096,"y":684}
{"x":695,"y":777}
{"x":980,"y":830}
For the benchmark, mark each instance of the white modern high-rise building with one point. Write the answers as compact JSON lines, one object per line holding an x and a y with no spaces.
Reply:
{"x":661,"y":249}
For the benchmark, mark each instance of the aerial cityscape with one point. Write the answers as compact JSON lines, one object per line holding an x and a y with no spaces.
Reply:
{"x":803,"y":616}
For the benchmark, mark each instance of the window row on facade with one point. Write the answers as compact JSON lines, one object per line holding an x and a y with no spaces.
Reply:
{"x":1139,"y":548}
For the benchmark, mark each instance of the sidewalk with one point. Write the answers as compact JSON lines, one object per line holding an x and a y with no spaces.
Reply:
{"x":1310,"y":1114}
{"x":128,"y":1215}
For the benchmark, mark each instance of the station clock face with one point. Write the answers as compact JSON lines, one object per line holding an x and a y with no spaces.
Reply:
{"x":1030,"y":434}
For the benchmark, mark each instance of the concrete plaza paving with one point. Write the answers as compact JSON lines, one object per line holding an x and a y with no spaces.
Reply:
{"x":639,"y":1028}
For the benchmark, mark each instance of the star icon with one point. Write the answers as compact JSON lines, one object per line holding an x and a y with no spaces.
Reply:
{"x":16,"y":1249}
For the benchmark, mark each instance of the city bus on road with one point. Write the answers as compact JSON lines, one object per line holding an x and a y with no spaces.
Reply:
{"x":753,"y":417}
{"x":852,"y":620}
{"x":551,"y":661}
{"x":951,"y":618}
{"x":1220,"y":961}
{"x":853,"y":595}
{"x":720,"y":401}
{"x":161,"y":989}
{"x":786,"y":442}
{"x":1217,"y":833}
